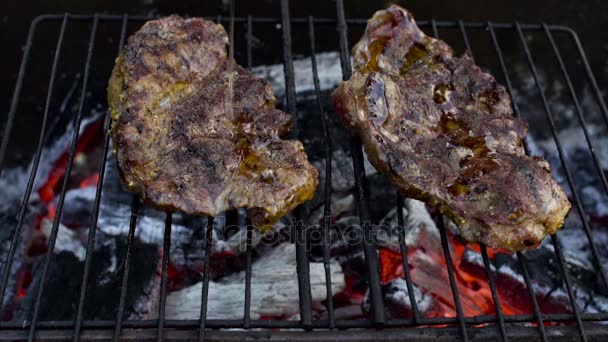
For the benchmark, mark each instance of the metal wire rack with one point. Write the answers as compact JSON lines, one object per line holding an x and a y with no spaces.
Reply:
{"x":501,"y":326}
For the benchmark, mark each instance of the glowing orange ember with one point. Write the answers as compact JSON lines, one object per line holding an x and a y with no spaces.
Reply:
{"x":49,"y":189}
{"x":428,"y":272}
{"x":92,"y":180}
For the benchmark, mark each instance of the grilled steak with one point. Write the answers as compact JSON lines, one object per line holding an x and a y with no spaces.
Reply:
{"x":444,"y":132}
{"x":179,"y":147}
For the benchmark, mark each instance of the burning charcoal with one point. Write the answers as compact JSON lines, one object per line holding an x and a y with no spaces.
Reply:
{"x":339,"y":206}
{"x":329,"y":75}
{"x":511,"y":286}
{"x":397,"y":301}
{"x":544,"y":269}
{"x":342,"y":180}
{"x":77,"y":208}
{"x":274,"y":289}
{"x":576,"y":247}
{"x":8,"y":223}
{"x":62,"y":289}
{"x":416,"y":219}
{"x":12,"y":188}
{"x":67,"y":239}
{"x":346,"y":238}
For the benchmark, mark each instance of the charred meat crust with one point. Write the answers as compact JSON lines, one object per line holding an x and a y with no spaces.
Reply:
{"x":444,"y":132}
{"x":176,"y":146}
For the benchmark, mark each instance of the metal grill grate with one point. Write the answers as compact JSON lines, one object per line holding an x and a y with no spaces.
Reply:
{"x":460,"y":326}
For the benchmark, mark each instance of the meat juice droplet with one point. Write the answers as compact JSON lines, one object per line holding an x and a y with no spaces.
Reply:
{"x":416,"y":53}
{"x":474,"y":166}
{"x":373,"y":51}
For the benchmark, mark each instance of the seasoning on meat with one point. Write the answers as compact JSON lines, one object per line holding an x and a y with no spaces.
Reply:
{"x":444,"y":132}
{"x":174,"y":142}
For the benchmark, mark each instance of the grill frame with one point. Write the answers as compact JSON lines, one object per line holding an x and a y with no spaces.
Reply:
{"x":163,"y":328}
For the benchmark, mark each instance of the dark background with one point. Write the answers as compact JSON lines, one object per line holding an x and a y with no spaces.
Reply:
{"x":588,"y":18}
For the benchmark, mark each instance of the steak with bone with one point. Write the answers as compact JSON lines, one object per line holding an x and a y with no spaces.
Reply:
{"x":181,"y":146}
{"x":444,"y":132}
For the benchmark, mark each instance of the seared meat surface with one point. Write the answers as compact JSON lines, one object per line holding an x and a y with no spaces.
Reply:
{"x":179,"y":147}
{"x":444,"y":132}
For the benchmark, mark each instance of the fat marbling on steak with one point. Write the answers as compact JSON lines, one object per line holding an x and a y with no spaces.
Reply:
{"x":444,"y":132}
{"x":176,"y":142}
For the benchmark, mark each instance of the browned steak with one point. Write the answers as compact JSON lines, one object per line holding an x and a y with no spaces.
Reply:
{"x":175,"y":144}
{"x":444,"y":132}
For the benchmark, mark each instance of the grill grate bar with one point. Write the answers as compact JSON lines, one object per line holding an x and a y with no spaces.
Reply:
{"x":361,"y":195}
{"x":362,"y":208}
{"x":328,"y":179}
{"x":304,"y":20}
{"x":520,"y":256}
{"x":249,"y":41}
{"x":564,"y":272}
{"x":93,"y":226}
{"x":537,"y":314}
{"x":404,"y":258}
{"x":205,"y":288}
{"x":499,"y":314}
{"x":579,"y":113}
{"x":455,"y":293}
{"x":163,"y":281}
{"x":446,"y":250}
{"x":317,"y":324}
{"x":32,"y":177}
{"x":16,"y":95}
{"x":484,"y":252}
{"x":590,"y":144}
{"x":66,"y":178}
{"x":571,"y":184}
{"x":588,"y":71}
{"x":247,"y":305}
{"x":126,"y":265}
{"x":302,"y":265}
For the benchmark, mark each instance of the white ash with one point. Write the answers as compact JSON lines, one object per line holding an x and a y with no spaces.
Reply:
{"x":342,"y":179}
{"x":416,"y":219}
{"x":328,"y":64}
{"x":148,"y":229}
{"x":13,"y":181}
{"x":77,"y":208}
{"x":339,"y":206}
{"x":114,"y":218}
{"x":399,"y":293}
{"x":575,"y":247}
{"x":475,"y":258}
{"x":115,"y":212}
{"x":507,"y":270}
{"x":67,"y":239}
{"x":397,"y":302}
{"x":274,"y":289}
